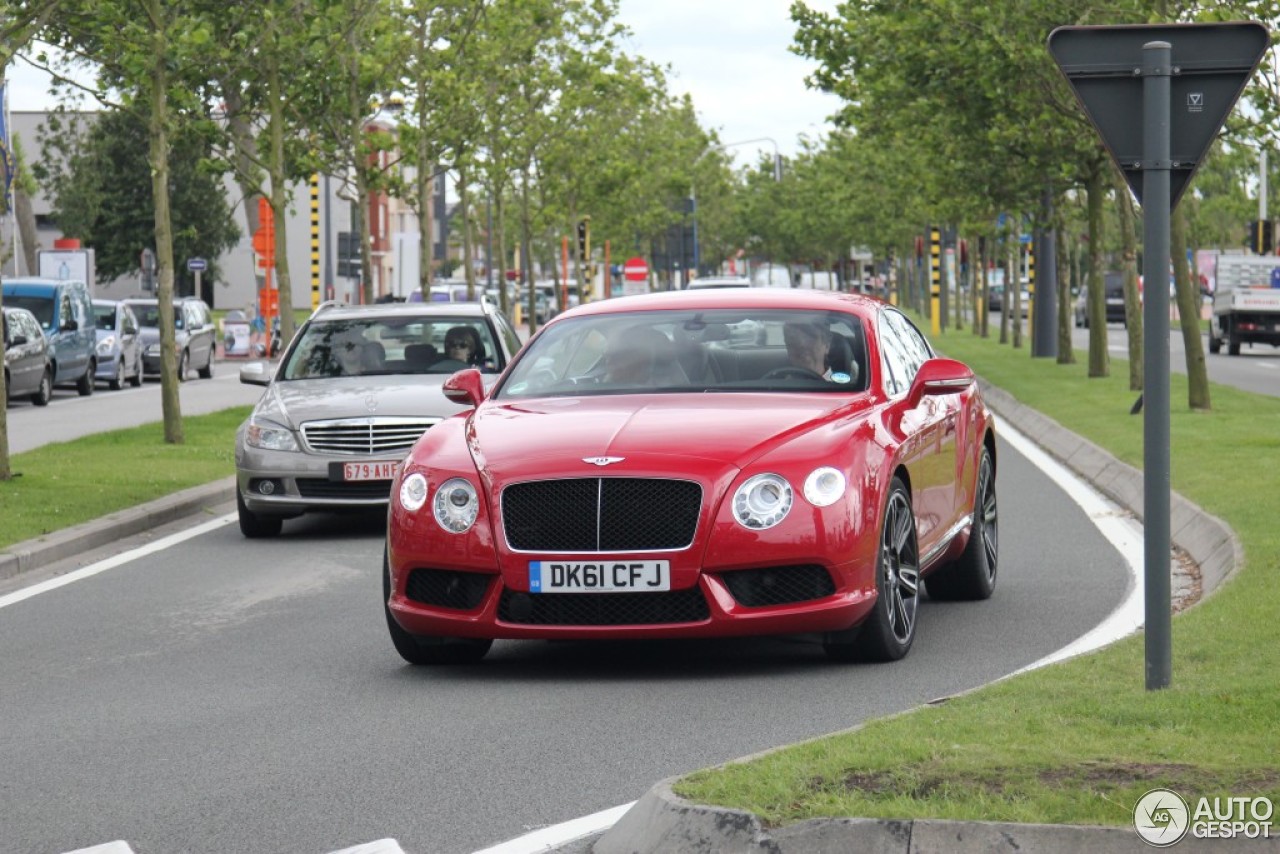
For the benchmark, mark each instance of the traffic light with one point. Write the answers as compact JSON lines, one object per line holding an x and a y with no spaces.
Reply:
{"x":584,"y":238}
{"x":1261,"y":236}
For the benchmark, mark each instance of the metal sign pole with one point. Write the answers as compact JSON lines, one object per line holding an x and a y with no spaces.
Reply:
{"x":1157,"y":58}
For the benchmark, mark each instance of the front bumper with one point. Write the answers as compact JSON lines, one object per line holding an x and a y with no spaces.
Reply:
{"x":107,"y":367}
{"x":707,"y":609}
{"x":301,"y":482}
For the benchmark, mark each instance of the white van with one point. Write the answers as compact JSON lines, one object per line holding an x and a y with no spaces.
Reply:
{"x":771,"y":276}
{"x":822,"y":280}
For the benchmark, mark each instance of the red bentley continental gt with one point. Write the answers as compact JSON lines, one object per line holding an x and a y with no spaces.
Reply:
{"x":710,"y":463}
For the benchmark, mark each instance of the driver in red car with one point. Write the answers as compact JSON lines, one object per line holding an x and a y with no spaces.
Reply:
{"x":807,"y":345}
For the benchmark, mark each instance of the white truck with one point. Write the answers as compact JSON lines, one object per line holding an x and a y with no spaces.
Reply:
{"x":1246,"y":302}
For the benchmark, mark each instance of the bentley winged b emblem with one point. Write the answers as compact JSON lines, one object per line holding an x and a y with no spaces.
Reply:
{"x":602,"y":461}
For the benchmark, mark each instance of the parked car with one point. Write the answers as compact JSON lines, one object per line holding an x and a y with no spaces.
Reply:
{"x":995,"y":298}
{"x":28,"y":371}
{"x":65,"y":313}
{"x":195,"y":335}
{"x":119,"y":348}
{"x":1113,"y":288}
{"x":353,"y":391}
{"x":598,"y":491}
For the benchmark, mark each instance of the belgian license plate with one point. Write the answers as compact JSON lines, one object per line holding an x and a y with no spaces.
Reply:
{"x":571,"y":576}
{"x":385,"y":470}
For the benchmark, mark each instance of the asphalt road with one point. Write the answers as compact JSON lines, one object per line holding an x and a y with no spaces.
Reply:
{"x":225,"y":695}
{"x":1256,"y":369}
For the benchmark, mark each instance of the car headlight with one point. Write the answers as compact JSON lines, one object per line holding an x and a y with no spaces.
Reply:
{"x":762,"y":502}
{"x":106,"y":344}
{"x":824,"y":486}
{"x":456,"y":505}
{"x":413,"y":492}
{"x":269,"y":436}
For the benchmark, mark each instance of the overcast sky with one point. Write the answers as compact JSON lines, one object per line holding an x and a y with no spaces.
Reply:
{"x":730,"y":55}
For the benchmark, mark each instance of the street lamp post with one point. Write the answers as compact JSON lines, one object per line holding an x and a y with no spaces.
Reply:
{"x":693,"y":199}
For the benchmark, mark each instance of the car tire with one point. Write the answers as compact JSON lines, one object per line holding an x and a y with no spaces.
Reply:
{"x":184,"y":366}
{"x":254,"y":526}
{"x":426,"y":650}
{"x":136,"y":379}
{"x":206,"y":373}
{"x":1215,"y":344}
{"x":972,"y":576}
{"x":84,"y":385}
{"x":44,"y":393}
{"x":889,"y":630}
{"x":117,"y":382}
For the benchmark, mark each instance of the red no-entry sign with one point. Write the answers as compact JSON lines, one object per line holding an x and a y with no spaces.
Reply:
{"x":635,"y":270}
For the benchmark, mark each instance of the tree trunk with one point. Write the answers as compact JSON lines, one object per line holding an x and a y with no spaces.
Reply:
{"x":171,"y":405}
{"x":1189,"y":315}
{"x":1099,"y":364}
{"x":279,"y":207}
{"x":1129,"y":259}
{"x":1010,"y":276}
{"x":1066,"y":316}
{"x":25,"y":215}
{"x":526,"y":260}
{"x":464,"y":210}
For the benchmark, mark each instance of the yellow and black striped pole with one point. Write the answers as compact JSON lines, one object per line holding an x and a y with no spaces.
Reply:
{"x":315,"y":241}
{"x":1031,"y":283}
{"x":935,"y":280}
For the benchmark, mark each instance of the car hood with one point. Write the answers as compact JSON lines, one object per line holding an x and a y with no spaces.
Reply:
{"x":297,"y":401}
{"x":543,"y":437}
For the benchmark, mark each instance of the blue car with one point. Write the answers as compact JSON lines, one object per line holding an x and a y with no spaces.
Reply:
{"x":119,"y":348}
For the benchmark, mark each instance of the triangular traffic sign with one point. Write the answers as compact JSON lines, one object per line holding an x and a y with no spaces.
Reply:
{"x":1211,"y":65}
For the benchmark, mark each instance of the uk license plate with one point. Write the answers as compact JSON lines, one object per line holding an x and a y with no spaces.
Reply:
{"x":572,"y":576}
{"x":385,"y":470}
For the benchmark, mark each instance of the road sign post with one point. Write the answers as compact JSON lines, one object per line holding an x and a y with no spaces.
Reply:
{"x":1119,"y":74}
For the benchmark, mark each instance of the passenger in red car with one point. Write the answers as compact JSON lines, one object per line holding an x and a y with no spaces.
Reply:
{"x":630,"y":358}
{"x":807,"y":345}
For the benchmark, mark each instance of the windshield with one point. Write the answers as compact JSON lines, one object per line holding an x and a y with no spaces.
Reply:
{"x":105,"y":317}
{"x":41,"y":307}
{"x":371,"y":346}
{"x":149,"y":315}
{"x":693,"y":351}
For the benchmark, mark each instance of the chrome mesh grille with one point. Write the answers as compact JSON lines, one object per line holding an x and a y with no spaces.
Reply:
{"x":365,"y":435}
{"x":601,"y":514}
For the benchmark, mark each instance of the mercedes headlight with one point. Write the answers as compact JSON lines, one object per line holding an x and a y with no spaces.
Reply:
{"x":456,"y":505}
{"x":105,"y":345}
{"x":269,"y":436}
{"x":413,"y":492}
{"x":762,"y":502}
{"x":824,"y":486}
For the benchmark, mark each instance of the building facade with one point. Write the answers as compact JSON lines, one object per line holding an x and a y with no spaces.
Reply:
{"x":320,"y":213}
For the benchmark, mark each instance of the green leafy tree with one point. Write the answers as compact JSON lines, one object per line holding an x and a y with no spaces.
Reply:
{"x":103,"y":195}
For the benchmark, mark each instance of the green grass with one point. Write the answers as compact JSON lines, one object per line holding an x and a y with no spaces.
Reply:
{"x":1079,"y":742}
{"x":64,"y":484}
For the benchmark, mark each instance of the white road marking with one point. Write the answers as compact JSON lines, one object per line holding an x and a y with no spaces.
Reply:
{"x":114,"y":561}
{"x":547,"y":838}
{"x":117,"y":847}
{"x":381,"y":846}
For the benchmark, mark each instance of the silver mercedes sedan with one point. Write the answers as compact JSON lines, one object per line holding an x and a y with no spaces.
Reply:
{"x":352,"y":393}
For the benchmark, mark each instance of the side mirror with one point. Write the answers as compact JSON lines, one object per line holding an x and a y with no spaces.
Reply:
{"x":938,"y":377}
{"x":255,"y":373}
{"x":465,"y":387}
{"x":16,"y":340}
{"x":70,"y":325}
